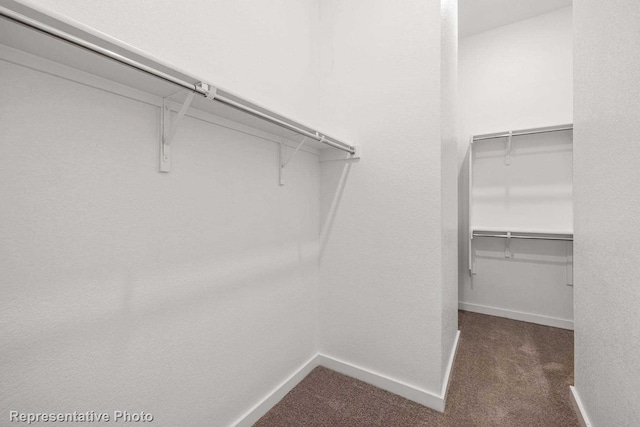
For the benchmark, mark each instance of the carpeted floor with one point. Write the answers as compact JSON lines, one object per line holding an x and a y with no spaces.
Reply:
{"x":507,"y":373}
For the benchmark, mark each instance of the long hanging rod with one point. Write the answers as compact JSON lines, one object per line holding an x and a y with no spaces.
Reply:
{"x":322,"y":138}
{"x":523,"y":132}
{"x":523,"y":236}
{"x":76,"y":41}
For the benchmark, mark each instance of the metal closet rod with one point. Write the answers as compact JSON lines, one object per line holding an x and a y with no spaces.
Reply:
{"x":523,"y":236}
{"x":523,"y":132}
{"x":76,"y":41}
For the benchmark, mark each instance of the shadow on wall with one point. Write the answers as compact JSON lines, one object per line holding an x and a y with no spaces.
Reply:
{"x":149,"y":297}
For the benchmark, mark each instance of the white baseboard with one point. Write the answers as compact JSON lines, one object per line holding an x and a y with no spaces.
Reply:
{"x":578,"y":407}
{"x":254,"y":414}
{"x":517,"y":315}
{"x":432,"y":400}
{"x":415,"y":394}
{"x":450,"y":364}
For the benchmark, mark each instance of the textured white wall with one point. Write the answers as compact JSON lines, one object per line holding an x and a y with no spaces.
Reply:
{"x":477,"y":16}
{"x":607,"y":210}
{"x":382,"y":266}
{"x":515,"y":77}
{"x":190,"y":295}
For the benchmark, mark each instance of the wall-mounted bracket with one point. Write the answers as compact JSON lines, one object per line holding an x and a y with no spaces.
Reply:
{"x":569,"y":263}
{"x":283,"y":162}
{"x":211,"y":91}
{"x":340,"y":156}
{"x":358,"y":152}
{"x":507,"y":246}
{"x":168,"y":129}
{"x":472,"y":257}
{"x":507,"y":157}
{"x":280,"y":164}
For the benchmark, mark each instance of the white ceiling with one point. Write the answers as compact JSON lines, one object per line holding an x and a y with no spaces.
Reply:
{"x":475,"y":16}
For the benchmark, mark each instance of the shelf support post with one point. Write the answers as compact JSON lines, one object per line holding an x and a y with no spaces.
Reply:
{"x":472,"y":257}
{"x":507,"y":158}
{"x":507,"y":247}
{"x":169,"y":129}
{"x":280,"y":164}
{"x":569,"y":263}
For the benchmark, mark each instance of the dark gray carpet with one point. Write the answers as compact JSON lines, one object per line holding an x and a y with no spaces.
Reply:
{"x":507,"y":373}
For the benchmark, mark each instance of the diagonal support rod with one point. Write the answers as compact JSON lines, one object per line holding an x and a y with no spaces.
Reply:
{"x":284,"y":163}
{"x":169,"y":129}
{"x":507,"y":157}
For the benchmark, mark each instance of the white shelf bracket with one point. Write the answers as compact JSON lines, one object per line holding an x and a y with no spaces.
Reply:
{"x":169,"y":129}
{"x":284,"y":163}
{"x":211,"y":91}
{"x":280,"y":163}
{"x":358,"y":152}
{"x":569,"y":263}
{"x":340,"y":156}
{"x":472,"y":255}
{"x":472,"y":258}
{"x":507,"y":246}
{"x":507,"y":157}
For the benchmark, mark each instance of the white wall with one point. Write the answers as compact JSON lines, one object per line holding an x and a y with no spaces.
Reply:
{"x":515,"y":77}
{"x":383,"y":264}
{"x":190,"y":295}
{"x":607,"y":210}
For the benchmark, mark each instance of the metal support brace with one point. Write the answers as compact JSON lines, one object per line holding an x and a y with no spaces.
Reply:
{"x":169,"y":129}
{"x":570,"y":263}
{"x":211,"y":90}
{"x":284,"y":163}
{"x":507,"y":158}
{"x":358,"y":152}
{"x":280,"y":163}
{"x":507,"y":247}
{"x":472,"y":256}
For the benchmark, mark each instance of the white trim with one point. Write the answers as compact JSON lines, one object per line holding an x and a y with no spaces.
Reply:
{"x":449,"y":370}
{"x":257,"y":411}
{"x":578,"y":407}
{"x":415,"y":394}
{"x":517,"y":315}
{"x":52,"y":68}
{"x":408,"y":391}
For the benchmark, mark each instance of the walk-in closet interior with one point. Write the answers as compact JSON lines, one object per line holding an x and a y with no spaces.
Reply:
{"x":521,"y":226}
{"x":319,"y":213}
{"x":516,"y":114}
